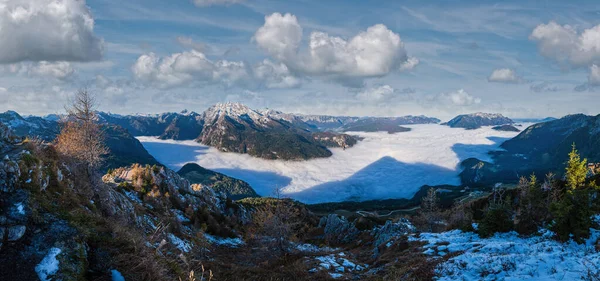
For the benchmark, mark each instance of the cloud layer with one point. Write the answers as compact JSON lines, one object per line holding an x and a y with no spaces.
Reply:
{"x":40,"y":30}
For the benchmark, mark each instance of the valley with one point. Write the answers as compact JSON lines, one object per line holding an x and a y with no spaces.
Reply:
{"x":380,"y":166}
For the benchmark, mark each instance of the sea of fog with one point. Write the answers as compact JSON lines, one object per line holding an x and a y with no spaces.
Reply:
{"x":381,"y":166}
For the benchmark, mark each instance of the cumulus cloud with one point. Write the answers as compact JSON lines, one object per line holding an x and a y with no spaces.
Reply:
{"x":504,"y":75}
{"x":376,"y":94}
{"x":275,"y":75}
{"x":206,"y":3}
{"x":409,"y":64}
{"x":371,"y":53}
{"x":182,"y":69}
{"x":456,"y":98}
{"x":594,"y":76}
{"x":61,"y":70}
{"x":566,"y":46}
{"x":40,"y":30}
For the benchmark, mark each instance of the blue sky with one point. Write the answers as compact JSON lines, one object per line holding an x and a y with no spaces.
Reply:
{"x":384,"y":58}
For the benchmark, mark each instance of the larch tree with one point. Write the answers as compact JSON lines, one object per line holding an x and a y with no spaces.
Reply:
{"x":81,"y":137}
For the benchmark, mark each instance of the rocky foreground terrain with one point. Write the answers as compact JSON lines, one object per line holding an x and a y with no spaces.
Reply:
{"x":146,"y":222}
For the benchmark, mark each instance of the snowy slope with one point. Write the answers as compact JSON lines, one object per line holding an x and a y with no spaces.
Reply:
{"x":380,"y":166}
{"x":506,"y":256}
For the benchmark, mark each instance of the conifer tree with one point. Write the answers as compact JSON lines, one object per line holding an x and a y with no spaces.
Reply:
{"x":576,"y":170}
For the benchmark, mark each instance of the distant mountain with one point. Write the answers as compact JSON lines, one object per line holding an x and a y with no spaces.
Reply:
{"x":124,"y":148}
{"x":477,"y":120}
{"x":34,"y":127}
{"x":533,"y":120}
{"x":178,"y":126}
{"x":365,"y":124}
{"x":234,"y":127}
{"x":506,"y":128}
{"x":541,"y":148}
{"x":233,"y":188}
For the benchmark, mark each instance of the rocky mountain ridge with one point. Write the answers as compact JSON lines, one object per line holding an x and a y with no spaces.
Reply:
{"x":539,"y":149}
{"x":477,"y":120}
{"x":124,"y":148}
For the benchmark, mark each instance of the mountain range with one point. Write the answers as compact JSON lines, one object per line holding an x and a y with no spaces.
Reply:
{"x":124,"y":148}
{"x":269,"y":134}
{"x":539,"y":149}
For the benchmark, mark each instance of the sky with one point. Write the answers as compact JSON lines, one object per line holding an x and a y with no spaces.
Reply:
{"x":335,"y":57}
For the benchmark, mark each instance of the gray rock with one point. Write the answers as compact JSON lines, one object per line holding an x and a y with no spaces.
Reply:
{"x":16,"y":232}
{"x":391,"y":230}
{"x":338,"y":229}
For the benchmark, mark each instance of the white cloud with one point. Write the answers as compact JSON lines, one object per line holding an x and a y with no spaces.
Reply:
{"x":504,"y":75}
{"x":182,"y":69}
{"x":60,"y":70}
{"x":206,"y":3}
{"x":275,"y":75}
{"x":457,"y":98}
{"x":379,"y":93}
{"x":409,"y":64}
{"x":594,"y":76}
{"x":371,"y":53}
{"x":566,"y":46}
{"x":41,"y":30}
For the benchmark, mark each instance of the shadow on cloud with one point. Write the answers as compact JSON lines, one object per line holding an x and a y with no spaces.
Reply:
{"x":384,"y":178}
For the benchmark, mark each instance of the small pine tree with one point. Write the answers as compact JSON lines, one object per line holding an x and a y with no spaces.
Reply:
{"x":576,"y":170}
{"x":572,"y":214}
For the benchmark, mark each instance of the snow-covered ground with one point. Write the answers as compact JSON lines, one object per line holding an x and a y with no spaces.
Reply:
{"x":506,"y":256}
{"x":379,"y":167}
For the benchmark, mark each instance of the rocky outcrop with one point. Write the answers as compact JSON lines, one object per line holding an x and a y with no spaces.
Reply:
{"x":391,"y":230}
{"x":232,"y":188}
{"x":338,"y":230}
{"x":334,"y":140}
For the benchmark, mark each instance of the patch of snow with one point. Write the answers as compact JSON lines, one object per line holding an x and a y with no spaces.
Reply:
{"x":28,"y":180}
{"x":337,"y":263}
{"x":227,"y":242}
{"x":48,"y":266}
{"x":20,"y":208}
{"x":596,"y":219}
{"x":180,"y":216}
{"x":116,"y":275}
{"x":380,"y":166}
{"x":506,"y":256}
{"x":310,"y":248}
{"x":132,"y":196}
{"x":179,"y":243}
